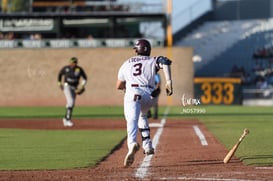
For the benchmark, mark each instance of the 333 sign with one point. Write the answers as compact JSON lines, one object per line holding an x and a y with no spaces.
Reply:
{"x":218,"y":90}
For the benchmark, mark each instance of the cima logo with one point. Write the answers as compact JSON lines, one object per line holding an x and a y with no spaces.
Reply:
{"x":189,"y":101}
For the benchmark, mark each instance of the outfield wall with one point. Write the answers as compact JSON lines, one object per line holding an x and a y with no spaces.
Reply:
{"x":29,"y":76}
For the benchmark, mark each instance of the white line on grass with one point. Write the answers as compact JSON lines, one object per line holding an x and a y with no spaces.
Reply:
{"x":200,"y":135}
{"x":142,"y":170}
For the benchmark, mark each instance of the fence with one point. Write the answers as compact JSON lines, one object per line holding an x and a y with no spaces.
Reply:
{"x":74,"y":43}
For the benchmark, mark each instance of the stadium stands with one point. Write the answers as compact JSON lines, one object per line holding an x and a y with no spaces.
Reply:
{"x":227,"y":43}
{"x":76,"y":5}
{"x":213,"y":38}
{"x":227,"y":49}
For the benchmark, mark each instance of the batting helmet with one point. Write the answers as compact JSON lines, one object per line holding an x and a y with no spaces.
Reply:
{"x":143,"y":47}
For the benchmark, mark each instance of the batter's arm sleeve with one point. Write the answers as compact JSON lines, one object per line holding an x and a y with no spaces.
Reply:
{"x":165,"y":64}
{"x":168,"y":77}
{"x":167,"y":72}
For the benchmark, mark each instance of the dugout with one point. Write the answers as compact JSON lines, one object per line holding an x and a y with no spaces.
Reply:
{"x":79,"y":19}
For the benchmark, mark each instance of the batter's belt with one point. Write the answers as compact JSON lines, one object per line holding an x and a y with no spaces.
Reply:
{"x":139,"y":85}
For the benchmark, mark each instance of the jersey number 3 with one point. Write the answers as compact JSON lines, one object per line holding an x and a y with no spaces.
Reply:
{"x":137,"y":69}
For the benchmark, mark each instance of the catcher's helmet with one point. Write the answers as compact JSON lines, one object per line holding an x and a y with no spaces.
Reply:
{"x":143,"y":47}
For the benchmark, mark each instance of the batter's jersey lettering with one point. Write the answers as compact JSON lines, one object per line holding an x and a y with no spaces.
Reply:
{"x":140,"y":71}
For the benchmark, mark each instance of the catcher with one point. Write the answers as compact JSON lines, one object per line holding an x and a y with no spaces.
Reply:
{"x":72,"y":74}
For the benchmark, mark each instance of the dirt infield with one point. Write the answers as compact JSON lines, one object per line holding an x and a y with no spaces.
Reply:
{"x":179,"y":156}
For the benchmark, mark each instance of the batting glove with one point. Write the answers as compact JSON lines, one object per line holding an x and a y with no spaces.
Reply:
{"x":169,"y":88}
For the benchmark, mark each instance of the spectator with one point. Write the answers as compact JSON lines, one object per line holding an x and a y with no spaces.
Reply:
{"x":261,"y":84}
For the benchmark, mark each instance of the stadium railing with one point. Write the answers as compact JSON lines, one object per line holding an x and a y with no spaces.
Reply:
{"x":75,"y":43}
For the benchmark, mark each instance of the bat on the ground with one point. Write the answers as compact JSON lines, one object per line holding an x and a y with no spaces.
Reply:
{"x":235,"y":147}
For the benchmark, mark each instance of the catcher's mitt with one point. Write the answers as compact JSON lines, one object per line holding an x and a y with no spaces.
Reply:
{"x":79,"y":91}
{"x":156,"y":92}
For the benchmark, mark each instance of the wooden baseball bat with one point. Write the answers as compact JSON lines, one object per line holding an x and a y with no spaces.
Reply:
{"x":235,"y":147}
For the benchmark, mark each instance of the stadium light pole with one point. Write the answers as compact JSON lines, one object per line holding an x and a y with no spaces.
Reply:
{"x":4,"y":5}
{"x":169,"y":24}
{"x":169,"y":40}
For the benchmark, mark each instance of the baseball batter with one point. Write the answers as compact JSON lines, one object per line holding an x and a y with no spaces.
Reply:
{"x":69,"y":80}
{"x":136,"y":77}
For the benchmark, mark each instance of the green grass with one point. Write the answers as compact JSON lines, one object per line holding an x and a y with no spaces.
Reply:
{"x":227,"y":124}
{"x":58,"y":112}
{"x":57,"y":149}
{"x":62,"y":149}
{"x":51,"y":149}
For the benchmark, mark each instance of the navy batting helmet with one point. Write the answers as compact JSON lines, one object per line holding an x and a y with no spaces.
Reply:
{"x":143,"y":47}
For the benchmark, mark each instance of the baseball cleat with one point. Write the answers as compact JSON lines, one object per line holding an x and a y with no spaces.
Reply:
{"x":130,"y":157}
{"x":149,"y":151}
{"x":67,"y":123}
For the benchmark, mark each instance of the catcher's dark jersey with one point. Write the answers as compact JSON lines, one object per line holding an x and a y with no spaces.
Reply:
{"x":72,"y":75}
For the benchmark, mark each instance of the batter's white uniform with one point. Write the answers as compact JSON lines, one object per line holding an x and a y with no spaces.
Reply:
{"x":138,"y":73}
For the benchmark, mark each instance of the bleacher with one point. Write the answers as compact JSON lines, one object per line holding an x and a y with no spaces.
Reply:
{"x":213,"y":38}
{"x":76,"y":5}
{"x":220,"y":46}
